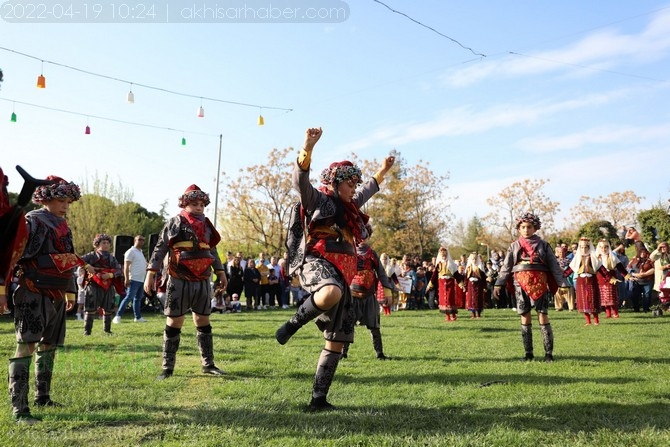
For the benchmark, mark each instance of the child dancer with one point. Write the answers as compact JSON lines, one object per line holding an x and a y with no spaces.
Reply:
{"x":585,"y":264}
{"x":530,"y":265}
{"x":475,"y":285}
{"x":607,"y":278}
{"x":445,"y":276}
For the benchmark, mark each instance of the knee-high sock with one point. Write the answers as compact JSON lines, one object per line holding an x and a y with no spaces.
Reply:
{"x":547,"y":338}
{"x":44,"y":366}
{"x":527,"y":337}
{"x":171,"y":338}
{"x":596,"y":319}
{"x":325,"y":371}
{"x":206,"y":345}
{"x":377,"y":341}
{"x":89,"y":318}
{"x":345,"y":350}
{"x":587,"y":317}
{"x":306,"y":313}
{"x":108,"y":322}
{"x":18,"y":377}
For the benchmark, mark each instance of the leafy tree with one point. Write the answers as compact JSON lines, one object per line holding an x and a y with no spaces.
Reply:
{"x":654,"y":224}
{"x":109,"y":209}
{"x":512,"y":201}
{"x":599,"y":229}
{"x":619,"y":208}
{"x":257,"y":204}
{"x":411,"y":211}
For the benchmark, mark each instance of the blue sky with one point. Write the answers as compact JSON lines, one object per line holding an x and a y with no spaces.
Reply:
{"x":573,"y":91}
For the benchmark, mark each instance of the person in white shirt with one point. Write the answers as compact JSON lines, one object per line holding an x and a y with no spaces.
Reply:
{"x":134,"y":271}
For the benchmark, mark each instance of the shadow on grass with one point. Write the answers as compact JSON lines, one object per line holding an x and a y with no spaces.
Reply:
{"x":290,"y":420}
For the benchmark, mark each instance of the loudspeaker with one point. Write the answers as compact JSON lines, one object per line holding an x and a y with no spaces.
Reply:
{"x":121,"y":244}
{"x":153,"y":240}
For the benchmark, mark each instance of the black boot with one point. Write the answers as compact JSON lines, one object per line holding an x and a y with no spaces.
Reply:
{"x":548,"y":341}
{"x":345,"y":350}
{"x":325,"y":371}
{"x":377,"y":343}
{"x":306,"y":313}
{"x":171,"y":338}
{"x":206,"y":346}
{"x":108,"y":323}
{"x":44,"y":366}
{"x":18,"y":376}
{"x":527,"y":338}
{"x":89,"y":318}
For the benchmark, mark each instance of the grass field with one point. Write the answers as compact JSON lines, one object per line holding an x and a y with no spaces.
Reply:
{"x":447,"y":384}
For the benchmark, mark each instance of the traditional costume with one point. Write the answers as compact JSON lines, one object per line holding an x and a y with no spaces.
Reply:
{"x":369,"y":274}
{"x":321,"y":241}
{"x":446,"y":277}
{"x":475,"y":285}
{"x":608,"y":281}
{"x":189,"y":242}
{"x":102,"y":286}
{"x":585,"y":264}
{"x":46,"y":280}
{"x":531,"y":270}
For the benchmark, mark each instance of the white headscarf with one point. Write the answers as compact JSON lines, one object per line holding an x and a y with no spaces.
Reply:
{"x":577,"y":259}
{"x":474,"y":263}
{"x":606,"y":256}
{"x":451,"y":265}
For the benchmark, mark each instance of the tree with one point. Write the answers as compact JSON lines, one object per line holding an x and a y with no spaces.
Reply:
{"x":257,"y":204}
{"x":599,"y":229}
{"x":470,"y":238}
{"x":512,"y":201}
{"x":654,"y":224}
{"x":411,"y":211}
{"x":93,"y":214}
{"x":109,"y":209}
{"x":619,"y":208}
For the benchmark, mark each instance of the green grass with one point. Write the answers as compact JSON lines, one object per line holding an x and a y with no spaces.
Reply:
{"x":609,"y":385}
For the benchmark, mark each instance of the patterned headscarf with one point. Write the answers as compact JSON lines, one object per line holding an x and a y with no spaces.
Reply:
{"x":529,"y":218}
{"x":192,"y":194}
{"x":61,"y":189}
{"x":101,"y":237}
{"x":340,"y":171}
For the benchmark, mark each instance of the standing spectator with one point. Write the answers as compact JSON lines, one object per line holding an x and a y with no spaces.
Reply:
{"x":364,"y":290}
{"x":284,"y":284}
{"x":189,"y":241}
{"x":623,"y":286}
{"x":444,"y":279}
{"x":81,"y":292}
{"x":274,"y":284}
{"x":134,"y":272}
{"x":252,"y":278}
{"x":273,"y":287}
{"x":103,"y":284}
{"x":407,"y":280}
{"x":475,"y":285}
{"x":531,"y":268}
{"x":46,"y":290}
{"x":641,"y":270}
{"x":420,"y":286}
{"x":263,"y":286}
{"x":327,"y":263}
{"x":661,"y":259}
{"x":584,"y":265}
{"x":296,"y":290}
{"x":491,"y":276}
{"x":235,"y":277}
{"x":564,"y":294}
{"x":243,"y":262}
{"x":608,"y":278}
